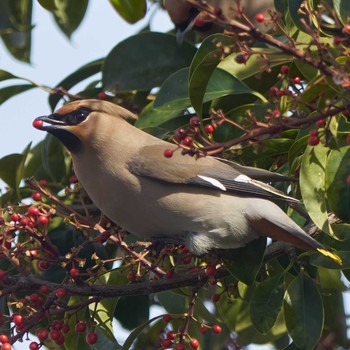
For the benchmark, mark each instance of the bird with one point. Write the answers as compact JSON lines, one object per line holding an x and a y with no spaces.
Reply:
{"x":183,"y":15}
{"x":204,"y":204}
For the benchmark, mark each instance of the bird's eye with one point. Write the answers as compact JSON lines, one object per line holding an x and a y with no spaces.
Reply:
{"x":77,"y":116}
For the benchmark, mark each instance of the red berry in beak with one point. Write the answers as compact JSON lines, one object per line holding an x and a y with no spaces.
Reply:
{"x":38,"y":124}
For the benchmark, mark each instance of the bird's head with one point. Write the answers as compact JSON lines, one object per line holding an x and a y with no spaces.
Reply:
{"x":76,"y":122}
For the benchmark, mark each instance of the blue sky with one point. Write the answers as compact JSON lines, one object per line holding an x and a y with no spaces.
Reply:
{"x":53,"y":58}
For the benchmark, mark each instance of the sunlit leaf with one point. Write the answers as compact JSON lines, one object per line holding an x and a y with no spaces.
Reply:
{"x":130,"y":10}
{"x":303,"y":312}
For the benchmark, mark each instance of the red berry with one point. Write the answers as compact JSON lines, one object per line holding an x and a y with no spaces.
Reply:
{"x":167,"y":318}
{"x":348,"y":139}
{"x":57,"y":325}
{"x":33,"y":346}
{"x":65,"y":328}
{"x":203,"y":329}
{"x":185,"y":250}
{"x":14,"y":217}
{"x":347,"y":28}
{"x":284,"y":69}
{"x":102,"y":96}
{"x":187,"y":141}
{"x":131,"y":276}
{"x":194,"y":122}
{"x":33,"y":298}
{"x":260,"y":17}
{"x":199,"y":21}
{"x":43,"y":183}
{"x":180,"y":134}
{"x":274,"y":91}
{"x":44,"y":289}
{"x":80,"y":326}
{"x":91,"y":338}
{"x":36,"y":196}
{"x":24,"y":221}
{"x":187,"y":259}
{"x":217,"y":329}
{"x":313,"y":132}
{"x":73,"y":179}
{"x":38,"y":124}
{"x":43,"y":219}
{"x":215,"y":298}
{"x":171,"y":335}
{"x":2,"y":221}
{"x":313,"y":141}
{"x":348,"y":180}
{"x":209,"y":129}
{"x":2,"y":276}
{"x":166,"y":343}
{"x":59,"y":339}
{"x":169,"y":273}
{"x":33,"y":211}
{"x":168,"y":153}
{"x":276,"y":113}
{"x":210,"y":270}
{"x":17,"y":319}
{"x":42,"y":265}
{"x":180,"y":346}
{"x":74,"y":272}
{"x":194,"y":343}
{"x":42,"y":334}
{"x":297,"y":80}
{"x":321,"y":123}
{"x":61,"y":292}
{"x":4,"y":338}
{"x":6,"y":346}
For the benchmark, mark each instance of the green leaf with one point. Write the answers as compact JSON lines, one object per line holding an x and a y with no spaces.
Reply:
{"x":253,"y":66}
{"x":320,"y":260}
{"x":132,"y":310}
{"x":337,"y":189}
{"x":204,"y":62}
{"x":4,"y":75}
{"x":75,"y":78}
{"x":10,"y":91}
{"x":104,"y":310}
{"x":130,"y":10}
{"x":313,"y":185}
{"x":53,"y":158}
{"x":137,"y":63}
{"x":69,"y":14}
{"x":294,"y":6}
{"x":49,"y":5}
{"x":267,"y":303}
{"x":244,"y":263}
{"x":303,"y":312}
{"x":134,"y":334}
{"x":173,"y":96}
{"x":16,"y":20}
{"x":12,"y":169}
{"x":342,"y":9}
{"x":172,"y":302}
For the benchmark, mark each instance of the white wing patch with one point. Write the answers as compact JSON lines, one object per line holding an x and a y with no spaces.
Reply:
{"x":214,"y":182}
{"x":243,"y":178}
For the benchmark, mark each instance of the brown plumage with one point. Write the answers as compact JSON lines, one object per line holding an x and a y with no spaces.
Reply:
{"x":204,"y":203}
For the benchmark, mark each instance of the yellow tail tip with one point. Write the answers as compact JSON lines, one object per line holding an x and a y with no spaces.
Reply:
{"x":331,"y":255}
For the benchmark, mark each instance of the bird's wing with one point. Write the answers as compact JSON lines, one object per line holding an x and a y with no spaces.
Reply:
{"x":206,"y":171}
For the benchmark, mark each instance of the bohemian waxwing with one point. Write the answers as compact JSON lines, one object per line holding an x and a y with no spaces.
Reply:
{"x":202,"y":203}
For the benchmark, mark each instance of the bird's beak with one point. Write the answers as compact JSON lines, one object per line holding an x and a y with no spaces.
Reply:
{"x":41,"y":122}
